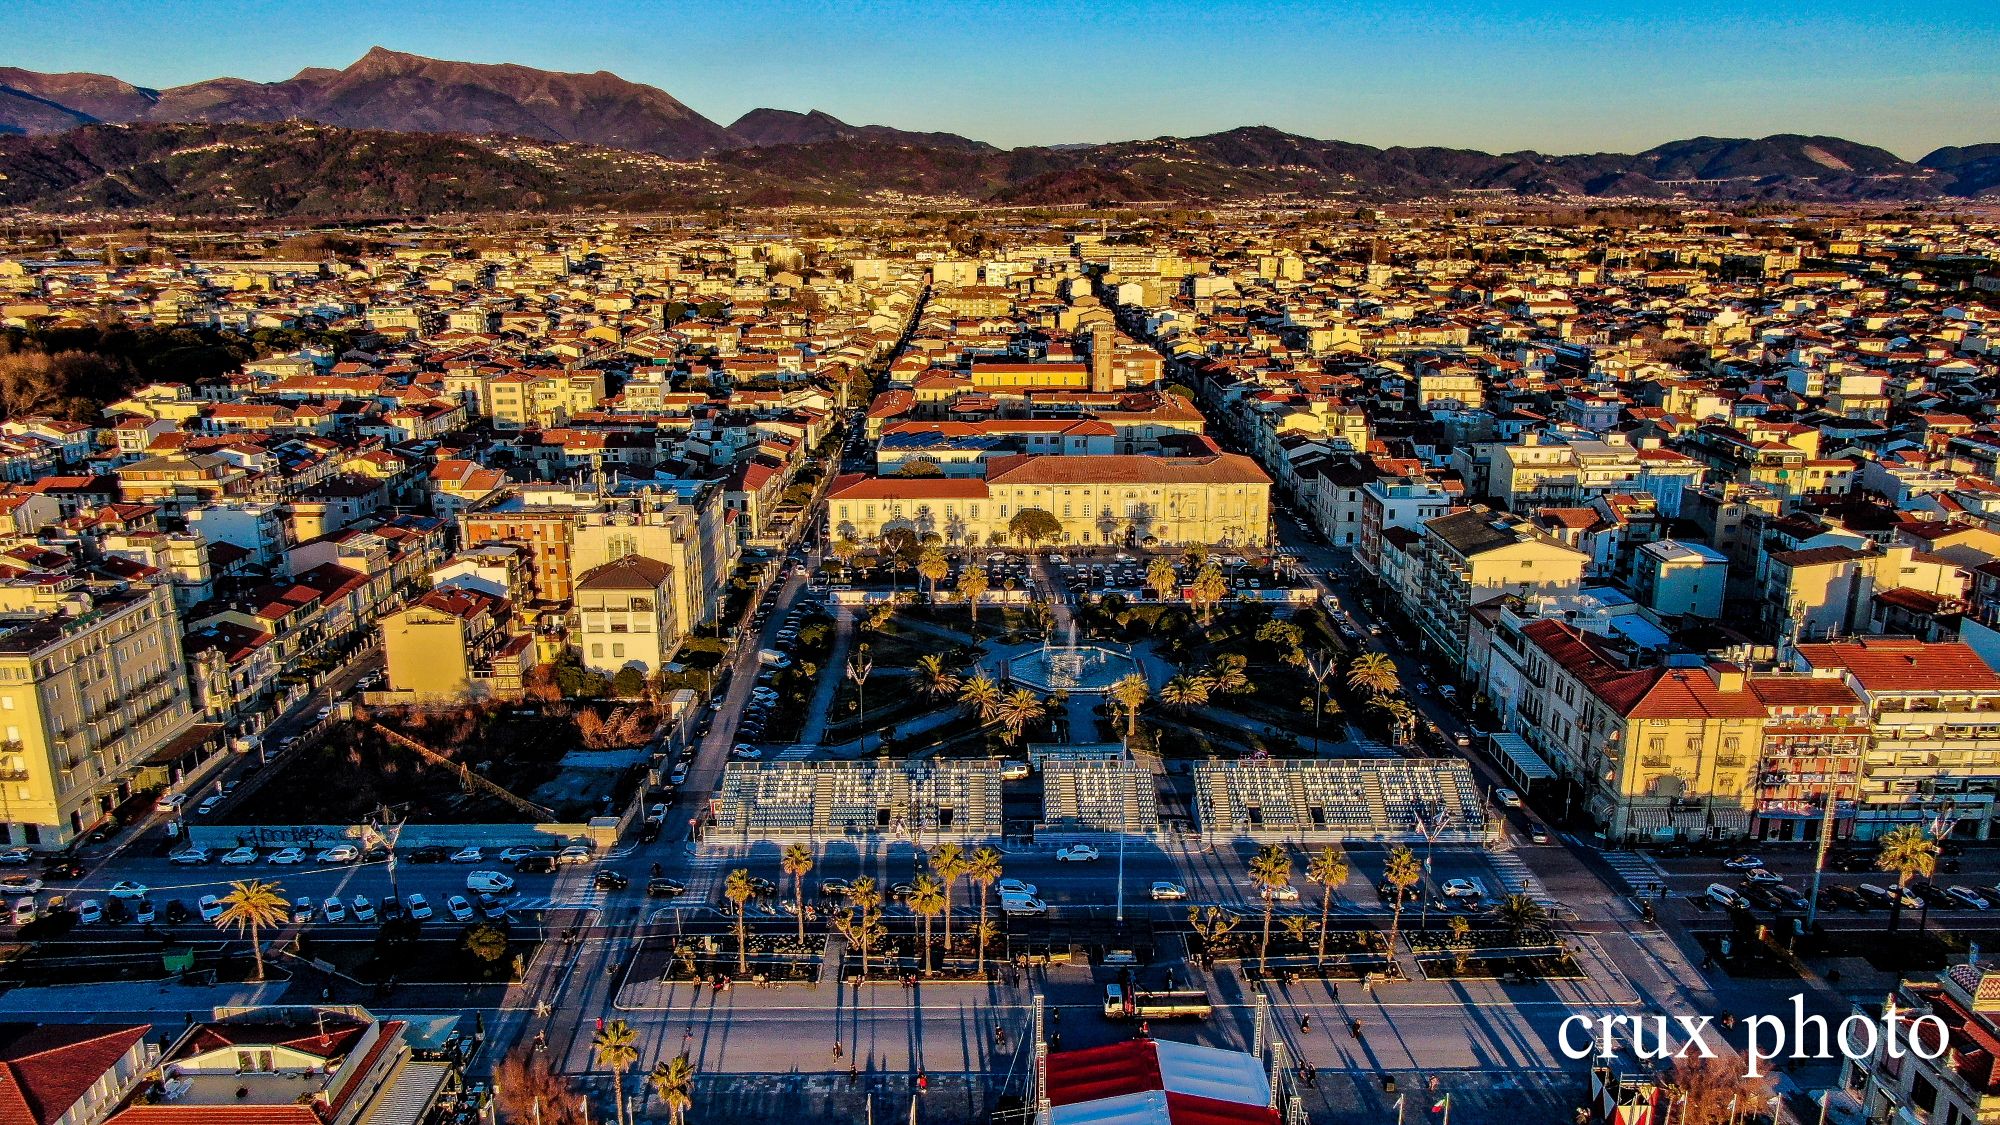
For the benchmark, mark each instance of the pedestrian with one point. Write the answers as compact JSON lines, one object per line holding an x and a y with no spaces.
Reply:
{"x":853,"y":1075}
{"x":836,"y":1049}
{"x":1055,"y":1016}
{"x":1335,"y":985}
{"x":923,"y":1081}
{"x":1145,"y":1029}
{"x":1306,"y":1022}
{"x":600,"y":1023}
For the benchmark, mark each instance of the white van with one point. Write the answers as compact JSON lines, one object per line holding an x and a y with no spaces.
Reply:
{"x":1022,"y":904}
{"x":1726,"y":896}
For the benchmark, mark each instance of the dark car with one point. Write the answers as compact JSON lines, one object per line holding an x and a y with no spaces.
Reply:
{"x":176,"y":912}
{"x":610,"y":881}
{"x":762,"y":887}
{"x":535,"y":864}
{"x":1934,"y":896}
{"x":1852,"y":863}
{"x":835,"y":888}
{"x":665,"y":888}
{"x":649,"y":834}
{"x":431,"y":854}
{"x":392,"y":908}
{"x":901,"y":892}
{"x":63,"y":869}
{"x":1834,"y":895}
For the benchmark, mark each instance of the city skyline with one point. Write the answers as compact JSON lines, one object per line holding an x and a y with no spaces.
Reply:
{"x":1450,"y":74}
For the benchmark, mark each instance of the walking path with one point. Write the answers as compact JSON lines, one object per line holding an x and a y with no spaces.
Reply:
{"x":820,"y":714}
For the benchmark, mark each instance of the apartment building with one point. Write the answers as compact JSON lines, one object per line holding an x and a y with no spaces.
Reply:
{"x":453,"y":643}
{"x":1468,"y":558}
{"x":1957,"y":1083}
{"x":530,"y":399}
{"x":1934,"y":709}
{"x":92,"y":685}
{"x":1816,"y":735}
{"x":625,"y":616}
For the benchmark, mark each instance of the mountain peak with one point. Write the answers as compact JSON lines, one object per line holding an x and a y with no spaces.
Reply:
{"x":762,"y":128}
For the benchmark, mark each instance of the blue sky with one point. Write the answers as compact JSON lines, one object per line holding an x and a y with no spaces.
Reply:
{"x":1559,"y":76}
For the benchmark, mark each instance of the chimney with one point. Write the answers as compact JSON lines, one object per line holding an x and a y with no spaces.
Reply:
{"x":1727,"y":677}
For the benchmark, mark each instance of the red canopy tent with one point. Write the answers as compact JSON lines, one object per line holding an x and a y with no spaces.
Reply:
{"x":1157,"y":1082}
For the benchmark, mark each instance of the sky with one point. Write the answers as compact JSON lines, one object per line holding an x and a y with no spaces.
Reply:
{"x":1556,"y":76}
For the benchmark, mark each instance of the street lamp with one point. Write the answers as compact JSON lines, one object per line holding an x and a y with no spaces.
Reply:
{"x":1319,"y":666}
{"x":858,"y":667}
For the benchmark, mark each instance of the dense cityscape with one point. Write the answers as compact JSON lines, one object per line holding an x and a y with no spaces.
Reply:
{"x":1077,"y":650}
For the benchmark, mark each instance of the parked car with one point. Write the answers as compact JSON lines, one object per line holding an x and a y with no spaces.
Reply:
{"x":470,"y":853}
{"x":430,"y":854}
{"x":89,"y":912}
{"x":338,"y":853}
{"x":16,"y":857}
{"x":208,"y":804}
{"x":1460,"y":888}
{"x":419,"y":907}
{"x":460,"y":910}
{"x":1726,"y":896}
{"x":21,"y":885}
{"x":210,"y":907}
{"x":538,"y":864}
{"x":665,"y":888}
{"x":302,"y":910}
{"x":1538,"y":833}
{"x":239,"y":856}
{"x":1015,"y":887}
{"x":1164,"y":891}
{"x":364,"y":911}
{"x":333,"y":910}
{"x":573,"y":855}
{"x":835,"y":888}
{"x":1834,"y":895}
{"x":190,"y":856}
{"x":1022,"y":904}
{"x":1077,"y":853}
{"x":1966,"y":896}
{"x":286,"y":857}
{"x":143,"y":912}
{"x":1013,"y":771}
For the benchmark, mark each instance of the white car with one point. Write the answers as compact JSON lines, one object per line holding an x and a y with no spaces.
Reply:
{"x":573,"y":855}
{"x":656,"y":814}
{"x":1022,"y":904}
{"x":460,"y":909}
{"x":1164,"y":891}
{"x":143,"y":912}
{"x":88,"y":912}
{"x":1287,"y":893}
{"x":1763,"y":877}
{"x":189,"y":856}
{"x":1968,"y":896}
{"x":208,"y":804}
{"x":745,"y":750}
{"x":1507,"y":797}
{"x":339,"y":853}
{"x":21,"y":885}
{"x":1077,"y":853}
{"x":287,"y":857}
{"x":470,"y":853}
{"x":127,"y":889}
{"x":302,"y":910}
{"x":1015,"y":887}
{"x":419,"y":907}
{"x":16,"y":857}
{"x":333,"y":910}
{"x":488,"y":883}
{"x":1013,"y":771}
{"x":515,"y":854}
{"x":1460,"y":888}
{"x":211,"y":908}
{"x":239,"y":857}
{"x":364,"y":910}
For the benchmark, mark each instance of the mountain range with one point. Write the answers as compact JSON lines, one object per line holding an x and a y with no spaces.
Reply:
{"x":401,"y":132}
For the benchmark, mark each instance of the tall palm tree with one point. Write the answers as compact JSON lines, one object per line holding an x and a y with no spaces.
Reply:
{"x":1184,"y":692}
{"x":981,"y":696}
{"x":616,"y":1048}
{"x":255,"y":906}
{"x":983,"y":869}
{"x":1374,"y":673}
{"x":950,"y":863}
{"x":862,"y":924}
{"x":1328,"y":868}
{"x":1522,"y":917}
{"x":935,"y":677}
{"x":1271,"y":870}
{"x":737,"y":890}
{"x":1161,"y":576}
{"x":1228,"y":675}
{"x":673,"y":1083}
{"x":1018,"y":708}
{"x":1907,"y":851}
{"x":1401,"y":871}
{"x":1461,"y":943}
{"x":1399,"y":715}
{"x":973,"y":583}
{"x":927,"y":902}
{"x":798,"y":863}
{"x":932,"y":567}
{"x":1132,"y":692}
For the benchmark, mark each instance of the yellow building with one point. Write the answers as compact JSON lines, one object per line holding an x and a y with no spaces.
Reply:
{"x":1098,"y":499}
{"x":625,"y":615}
{"x":542,"y":398}
{"x":440,"y":646}
{"x":91,"y":686}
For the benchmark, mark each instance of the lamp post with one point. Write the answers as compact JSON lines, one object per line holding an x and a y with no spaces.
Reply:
{"x":1319,"y":666}
{"x":858,"y":668}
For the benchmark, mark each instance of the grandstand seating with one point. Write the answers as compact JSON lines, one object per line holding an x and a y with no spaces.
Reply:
{"x":1352,"y":799}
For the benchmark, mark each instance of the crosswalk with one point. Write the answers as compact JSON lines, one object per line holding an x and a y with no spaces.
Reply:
{"x":589,"y":900}
{"x":1637,"y":870}
{"x":795,"y":753}
{"x":1514,"y":875}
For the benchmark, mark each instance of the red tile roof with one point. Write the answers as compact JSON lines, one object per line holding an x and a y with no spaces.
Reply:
{"x":46,"y":1068}
{"x":1900,"y":664}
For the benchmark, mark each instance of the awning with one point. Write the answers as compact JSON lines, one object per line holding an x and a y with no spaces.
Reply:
{"x":1528,"y":766}
{"x":411,"y":1095}
{"x":1157,"y":1082}
{"x":190,"y":739}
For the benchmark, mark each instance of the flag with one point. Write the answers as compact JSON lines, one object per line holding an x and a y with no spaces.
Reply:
{"x":1441,"y":1104}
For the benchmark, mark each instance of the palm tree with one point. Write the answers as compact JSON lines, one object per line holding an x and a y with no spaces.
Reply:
{"x":927,"y":902}
{"x":950,"y":863}
{"x":983,"y":869}
{"x":616,"y":1048}
{"x":1328,"y":868}
{"x":1184,"y":692}
{"x":1907,"y":851}
{"x":1131,"y":694}
{"x":981,"y":696}
{"x":935,"y":677}
{"x":862,"y":924}
{"x":1402,"y":871}
{"x":737,"y":890}
{"x":1522,"y":916}
{"x":255,"y":906}
{"x":973,"y":584}
{"x":932,"y":567}
{"x":1228,"y":675}
{"x":1398,"y":714}
{"x":1374,"y":673}
{"x":1209,"y":587}
{"x":798,"y":863}
{"x":1271,"y":870}
{"x":1017,"y":709}
{"x":1161,"y":576}
{"x":673,"y":1083}
{"x":1461,"y":943}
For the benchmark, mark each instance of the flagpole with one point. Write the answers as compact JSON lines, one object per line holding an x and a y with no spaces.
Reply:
{"x":1400,"y":1099}
{"x":1447,"y":1108}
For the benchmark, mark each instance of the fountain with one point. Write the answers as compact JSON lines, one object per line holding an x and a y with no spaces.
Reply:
{"x":1070,"y":667}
